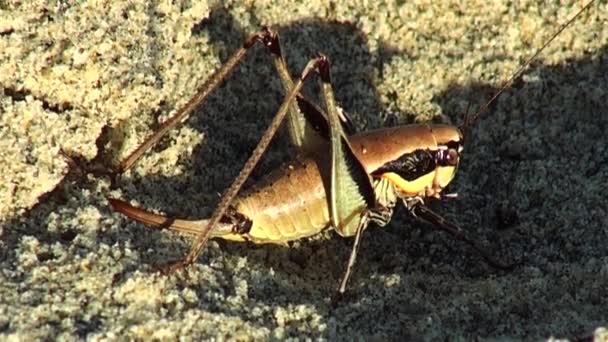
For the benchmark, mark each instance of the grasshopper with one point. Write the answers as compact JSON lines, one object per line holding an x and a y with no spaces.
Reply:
{"x":358,"y":182}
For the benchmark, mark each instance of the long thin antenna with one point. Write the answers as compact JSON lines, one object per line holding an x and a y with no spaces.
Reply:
{"x":469,"y":120}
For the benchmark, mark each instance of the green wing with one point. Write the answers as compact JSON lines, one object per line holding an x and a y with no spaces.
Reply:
{"x":351,"y":193}
{"x":347,"y":183}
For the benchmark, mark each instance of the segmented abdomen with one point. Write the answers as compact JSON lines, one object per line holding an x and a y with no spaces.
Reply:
{"x":287,"y":205}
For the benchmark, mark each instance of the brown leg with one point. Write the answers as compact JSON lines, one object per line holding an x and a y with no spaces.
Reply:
{"x":204,"y":91}
{"x":297,"y":124}
{"x":350,"y":266}
{"x":302,"y":135}
{"x":418,"y":209}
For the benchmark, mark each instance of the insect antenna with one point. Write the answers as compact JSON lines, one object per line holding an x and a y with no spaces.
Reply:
{"x":470,"y":120}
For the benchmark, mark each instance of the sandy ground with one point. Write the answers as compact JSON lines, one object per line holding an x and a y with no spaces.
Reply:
{"x":533,"y":181}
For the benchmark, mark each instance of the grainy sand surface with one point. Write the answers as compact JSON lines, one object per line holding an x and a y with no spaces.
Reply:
{"x":533,"y":181}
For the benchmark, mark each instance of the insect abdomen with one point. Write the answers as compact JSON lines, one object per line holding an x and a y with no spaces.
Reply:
{"x":287,"y":205}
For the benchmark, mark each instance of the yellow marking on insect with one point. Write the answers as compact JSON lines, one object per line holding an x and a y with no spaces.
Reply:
{"x":234,"y":237}
{"x":444,"y":175}
{"x":410,"y":188}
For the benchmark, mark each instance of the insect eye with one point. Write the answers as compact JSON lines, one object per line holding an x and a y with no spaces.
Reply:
{"x":452,"y":157}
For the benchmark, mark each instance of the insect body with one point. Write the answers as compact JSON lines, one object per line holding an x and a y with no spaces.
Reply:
{"x":407,"y":162}
{"x":359,"y":181}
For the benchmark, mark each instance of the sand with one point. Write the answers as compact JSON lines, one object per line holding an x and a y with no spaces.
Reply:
{"x":532,"y":183}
